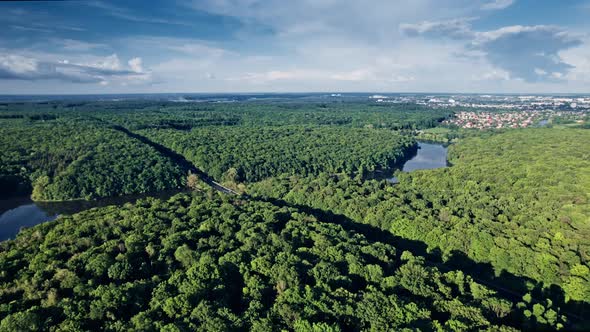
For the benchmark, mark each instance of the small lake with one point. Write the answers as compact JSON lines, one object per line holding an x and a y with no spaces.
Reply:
{"x":20,"y":212}
{"x":428,"y":156}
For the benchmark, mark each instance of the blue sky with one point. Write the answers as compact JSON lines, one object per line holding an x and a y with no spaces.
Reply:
{"x":90,"y":46}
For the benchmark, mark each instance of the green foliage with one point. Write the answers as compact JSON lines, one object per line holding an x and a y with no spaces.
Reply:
{"x":316,"y":246}
{"x":246,"y":154}
{"x":71,"y":159}
{"x":355,"y":114}
{"x":71,"y":150}
{"x":518,"y":200}
{"x":193,"y":263}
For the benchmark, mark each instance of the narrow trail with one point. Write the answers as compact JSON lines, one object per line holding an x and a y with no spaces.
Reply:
{"x":178,"y":159}
{"x":189,"y":167}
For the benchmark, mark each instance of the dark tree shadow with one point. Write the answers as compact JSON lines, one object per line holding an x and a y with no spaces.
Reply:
{"x":177,"y":158}
{"x":507,"y":285}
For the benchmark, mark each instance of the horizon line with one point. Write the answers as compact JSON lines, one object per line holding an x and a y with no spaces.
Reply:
{"x":295,"y":93}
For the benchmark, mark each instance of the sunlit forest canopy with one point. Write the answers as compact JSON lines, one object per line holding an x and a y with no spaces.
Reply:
{"x":285,"y":223}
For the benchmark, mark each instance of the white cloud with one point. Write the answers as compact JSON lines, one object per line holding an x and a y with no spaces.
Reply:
{"x":110,"y":62}
{"x":136,"y":65}
{"x":278,"y":75}
{"x":497,"y":4}
{"x":540,"y":72}
{"x":401,"y":79}
{"x":557,"y":75}
{"x":357,"y":75}
{"x":353,"y":45}
{"x":494,"y":75}
{"x":522,"y":51}
{"x":17,"y":64}
{"x":376,"y":21}
{"x":326,"y":45}
{"x":130,"y":15}
{"x":456,"y":28}
{"x":325,"y":65}
{"x":98,"y":70}
{"x":30,"y":28}
{"x":579,"y":58}
{"x":364,"y":74}
{"x":181,"y":46}
{"x":77,"y":45}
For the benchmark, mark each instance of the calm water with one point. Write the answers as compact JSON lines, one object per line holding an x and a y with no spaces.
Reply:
{"x":21,"y":212}
{"x":18,"y":213}
{"x":429,"y":156}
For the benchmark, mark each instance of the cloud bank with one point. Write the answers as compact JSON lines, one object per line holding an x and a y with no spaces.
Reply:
{"x":531,"y":53}
{"x":19,"y":67}
{"x":307,"y":45}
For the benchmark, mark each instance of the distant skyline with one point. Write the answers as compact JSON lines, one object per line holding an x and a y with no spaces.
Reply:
{"x":233,"y":46}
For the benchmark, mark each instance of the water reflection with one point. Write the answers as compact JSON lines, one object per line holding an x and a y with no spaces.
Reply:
{"x":427,"y":156}
{"x":21,"y":212}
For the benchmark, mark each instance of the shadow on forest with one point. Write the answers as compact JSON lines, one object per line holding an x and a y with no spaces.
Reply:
{"x":506,"y":284}
{"x":177,"y":158}
{"x":396,"y":165}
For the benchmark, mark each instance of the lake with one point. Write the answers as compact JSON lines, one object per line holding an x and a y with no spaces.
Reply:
{"x":20,"y":212}
{"x":428,"y":156}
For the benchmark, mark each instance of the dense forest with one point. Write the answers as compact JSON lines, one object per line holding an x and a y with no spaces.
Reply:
{"x":517,"y":200}
{"x":62,"y":160}
{"x":84,"y":150}
{"x":313,"y":241}
{"x":246,"y":154}
{"x":212,"y":263}
{"x":181,"y":116}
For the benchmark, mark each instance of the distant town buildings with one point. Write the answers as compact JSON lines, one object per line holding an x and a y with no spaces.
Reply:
{"x":499,"y":111}
{"x":488,"y":120}
{"x":514,"y":119}
{"x":490,"y":102}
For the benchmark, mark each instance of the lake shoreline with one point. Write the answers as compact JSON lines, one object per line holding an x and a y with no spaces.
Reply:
{"x":22,"y":211}
{"x":425,"y":155}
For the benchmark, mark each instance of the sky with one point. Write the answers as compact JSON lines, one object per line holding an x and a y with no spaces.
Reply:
{"x":232,"y":46}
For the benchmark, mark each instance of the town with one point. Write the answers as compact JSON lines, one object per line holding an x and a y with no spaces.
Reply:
{"x":500,"y":111}
{"x":489,"y":102}
{"x":515,"y":119}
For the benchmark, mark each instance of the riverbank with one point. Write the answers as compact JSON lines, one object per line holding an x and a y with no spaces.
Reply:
{"x":20,"y":212}
{"x":24,"y":212}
